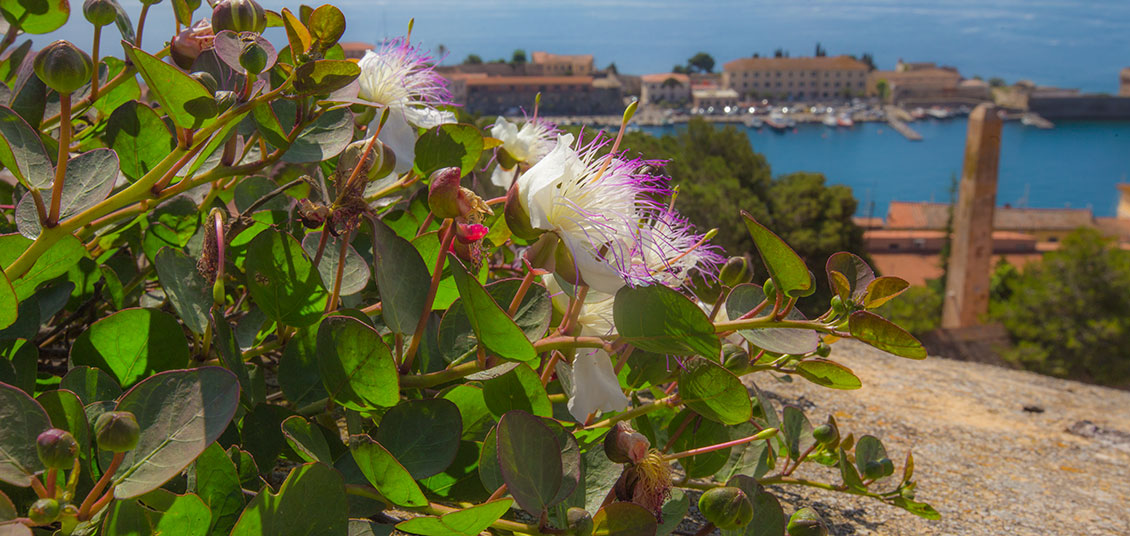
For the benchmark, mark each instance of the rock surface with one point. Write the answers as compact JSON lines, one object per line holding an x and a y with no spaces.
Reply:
{"x":996,"y":451}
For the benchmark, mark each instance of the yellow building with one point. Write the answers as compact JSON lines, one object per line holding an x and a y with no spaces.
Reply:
{"x":546,"y":64}
{"x":1124,"y":83}
{"x":673,"y":88}
{"x":796,"y":78}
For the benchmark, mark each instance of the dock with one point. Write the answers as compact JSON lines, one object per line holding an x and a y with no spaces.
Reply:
{"x":1034,"y":119}
{"x":904,"y":129}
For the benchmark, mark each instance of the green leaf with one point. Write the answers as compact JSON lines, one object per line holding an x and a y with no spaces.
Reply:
{"x":267,"y":123}
{"x":325,"y":138}
{"x":127,"y":518}
{"x":919,"y":509}
{"x":24,"y":419}
{"x":402,"y":278}
{"x":327,"y":24}
{"x":231,"y":357}
{"x":311,"y":500}
{"x":306,"y":440}
{"x":19,"y":360}
{"x":714,"y":392}
{"x":126,"y":91}
{"x":883,"y":290}
{"x":490,"y":474}
{"x":849,"y":474}
{"x":494,"y":329}
{"x":697,"y":433}
{"x":473,"y":412}
{"x":674,"y":511}
{"x":769,"y":517}
{"x":797,"y":430}
{"x":450,"y":145}
{"x":460,"y":481}
{"x":357,"y":367}
{"x":659,"y":319}
{"x":422,"y":434}
{"x":186,"y":290}
{"x":786,"y":268}
{"x":324,"y":76}
{"x":90,"y":384}
{"x":882,"y":334}
{"x":53,"y":263}
{"x":365,"y":527}
{"x":868,"y":449}
{"x":89,"y":179}
{"x":260,"y":432}
{"x":467,"y":522}
{"x":282,"y":280}
{"x":67,"y":413}
{"x":187,"y":101}
{"x":36,"y":17}
{"x":132,"y":344}
{"x":456,"y":336}
{"x":855,"y":275}
{"x":183,"y":9}
{"x":355,"y":273}
{"x":385,"y":473}
{"x":624,"y":519}
{"x":180,"y":413}
{"x":8,"y":510}
{"x":744,"y":298}
{"x":9,"y":303}
{"x":140,"y":138}
{"x":217,"y":483}
{"x":299,"y":378}
{"x":529,"y":458}
{"x":828,"y":373}
{"x":249,"y":190}
{"x":22,"y":152}
{"x":570,"y":455}
{"x":519,"y":388}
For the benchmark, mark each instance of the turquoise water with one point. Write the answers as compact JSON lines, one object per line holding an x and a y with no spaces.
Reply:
{"x":1076,"y":164}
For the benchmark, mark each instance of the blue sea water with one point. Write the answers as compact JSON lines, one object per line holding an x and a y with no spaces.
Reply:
{"x":1076,"y":164}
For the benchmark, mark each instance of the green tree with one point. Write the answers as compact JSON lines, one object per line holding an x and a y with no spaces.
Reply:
{"x":518,"y":57}
{"x":997,"y":81}
{"x":472,"y":59}
{"x":1069,"y":314}
{"x":883,"y":88}
{"x":918,"y":310}
{"x":701,"y":62}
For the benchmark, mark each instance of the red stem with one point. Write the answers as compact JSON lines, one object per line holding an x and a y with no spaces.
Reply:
{"x":91,"y":498}
{"x":448,"y":233}
{"x":768,"y":432}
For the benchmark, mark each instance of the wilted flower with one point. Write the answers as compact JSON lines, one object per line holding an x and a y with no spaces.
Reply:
{"x":191,"y":41}
{"x":521,"y":147}
{"x":403,"y":78}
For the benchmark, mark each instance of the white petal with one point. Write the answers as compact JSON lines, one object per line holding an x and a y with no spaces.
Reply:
{"x":504,"y":130}
{"x":503,"y":177}
{"x":538,"y":186}
{"x":400,"y":137}
{"x":597,"y":273}
{"x":428,"y":117}
{"x":595,"y":387}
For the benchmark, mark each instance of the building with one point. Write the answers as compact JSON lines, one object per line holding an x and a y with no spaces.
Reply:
{"x":665,"y":88}
{"x":1124,"y":83}
{"x":925,"y":83}
{"x":355,"y":50}
{"x":714,"y":100}
{"x":796,"y":78}
{"x":1044,"y":224}
{"x":560,"y":95}
{"x":546,"y":64}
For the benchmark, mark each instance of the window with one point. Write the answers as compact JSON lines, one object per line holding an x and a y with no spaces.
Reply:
{"x":893,"y":245}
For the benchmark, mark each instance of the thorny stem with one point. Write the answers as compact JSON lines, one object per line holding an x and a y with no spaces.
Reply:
{"x":88,"y":503}
{"x":61,"y":165}
{"x":764,"y":434}
{"x":447,"y":231}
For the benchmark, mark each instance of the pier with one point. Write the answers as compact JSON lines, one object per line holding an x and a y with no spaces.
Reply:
{"x":903,"y":128}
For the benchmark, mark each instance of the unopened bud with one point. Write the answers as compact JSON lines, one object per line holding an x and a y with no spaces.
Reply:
{"x":770,"y":290}
{"x":735,"y":357}
{"x":826,"y":434}
{"x":224,"y":100}
{"x":253,"y":58}
{"x":624,"y":445}
{"x":239,"y":16}
{"x":150,"y":2}
{"x":190,"y":42}
{"x":206,"y":80}
{"x":117,"y":431}
{"x":63,"y":67}
{"x":727,"y":507}
{"x":56,"y":448}
{"x":378,"y":163}
{"x":580,"y":521}
{"x":44,"y":511}
{"x":806,"y":522}
{"x":517,"y":219}
{"x":99,"y":12}
{"x":445,"y":193}
{"x":735,"y":272}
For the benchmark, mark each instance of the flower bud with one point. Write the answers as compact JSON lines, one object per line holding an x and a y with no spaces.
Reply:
{"x":838,"y":305}
{"x":806,"y":522}
{"x":224,"y":100}
{"x":468,"y":233}
{"x":517,"y":219}
{"x":624,"y":445}
{"x":311,"y":215}
{"x":63,"y":67}
{"x":206,"y":80}
{"x":825,"y":434}
{"x":56,"y":448}
{"x":117,"y":431}
{"x":44,"y":511}
{"x":445,"y":193}
{"x":190,"y":42}
{"x":99,"y":12}
{"x":253,"y":58}
{"x":735,"y":272}
{"x":770,"y":290}
{"x":150,"y":2}
{"x":239,"y":16}
{"x":727,"y":507}
{"x":580,"y":521}
{"x":907,"y":493}
{"x":736,"y":358}
{"x":823,"y":350}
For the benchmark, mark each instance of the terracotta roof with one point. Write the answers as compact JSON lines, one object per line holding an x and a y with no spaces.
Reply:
{"x":357,"y":45}
{"x":528,"y":80}
{"x":830,"y":62}
{"x":1114,"y":227}
{"x":920,"y":73}
{"x":662,"y":77}
{"x":869,"y":223}
{"x":545,"y":57}
{"x":928,"y":233}
{"x":905,"y":215}
{"x":916,"y":268}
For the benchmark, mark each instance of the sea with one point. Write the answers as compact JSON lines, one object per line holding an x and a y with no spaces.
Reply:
{"x":1066,"y":43}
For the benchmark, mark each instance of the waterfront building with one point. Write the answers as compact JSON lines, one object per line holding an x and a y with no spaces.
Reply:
{"x":355,"y":50}
{"x":796,"y":78}
{"x":560,"y":95}
{"x":1124,"y":83}
{"x":921,"y":83}
{"x":665,"y":88}
{"x":544,"y":63}
{"x":714,"y":100}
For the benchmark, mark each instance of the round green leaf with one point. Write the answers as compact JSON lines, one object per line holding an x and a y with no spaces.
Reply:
{"x":325,"y":138}
{"x":422,"y":434}
{"x":624,"y":519}
{"x":90,"y":384}
{"x":743,"y":298}
{"x":661,"y":320}
{"x":883,"y":290}
{"x":492,"y":326}
{"x":450,"y":145}
{"x":797,"y":430}
{"x":327,"y":24}
{"x":699,"y":432}
{"x":714,"y":392}
{"x":324,"y":76}
{"x":311,"y":500}
{"x":467,"y":522}
{"x":140,"y":138}
{"x":188,"y":103}
{"x":299,"y":378}
{"x":385,"y":473}
{"x":132,"y":344}
{"x":357,"y":367}
{"x":828,"y":373}
{"x":22,"y":151}
{"x":305,"y":438}
{"x":786,"y":268}
{"x":55,"y":262}
{"x":402,"y":278}
{"x":856,"y":275}
{"x":868,"y":449}
{"x":186,"y":289}
{"x":180,"y":413}
{"x":489,"y":472}
{"x":519,"y":388}
{"x":217,"y":483}
{"x":355,"y":273}
{"x":24,"y":419}
{"x":456,"y":336}
{"x":529,"y":458}
{"x":36,"y":17}
{"x":282,"y":279}
{"x":884,"y":335}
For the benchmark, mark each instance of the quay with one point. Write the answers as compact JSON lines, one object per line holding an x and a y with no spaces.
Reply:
{"x":904,"y":129}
